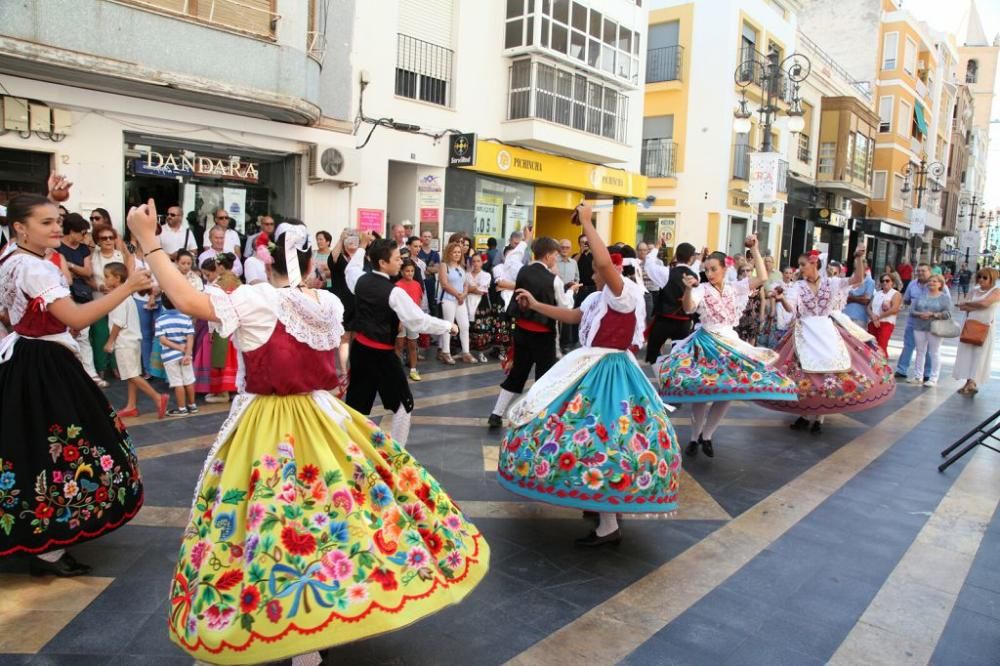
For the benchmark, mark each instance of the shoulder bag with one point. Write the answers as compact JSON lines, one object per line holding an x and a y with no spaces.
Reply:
{"x":945,"y":328}
{"x":974,"y":333}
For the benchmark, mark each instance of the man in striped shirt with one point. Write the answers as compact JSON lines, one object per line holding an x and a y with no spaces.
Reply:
{"x":175,"y":331}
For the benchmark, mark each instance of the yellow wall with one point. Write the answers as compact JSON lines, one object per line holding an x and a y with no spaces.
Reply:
{"x":671,"y":97}
{"x":553,"y":208}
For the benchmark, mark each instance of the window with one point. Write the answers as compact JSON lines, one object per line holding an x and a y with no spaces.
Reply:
{"x":885,"y":113}
{"x":897,"y":192}
{"x":572,"y":29}
{"x":748,"y":51}
{"x":663,"y":60}
{"x":878,"y":185}
{"x":972,"y":71}
{"x":423,"y":70}
{"x":519,"y":29}
{"x":890,"y":50}
{"x":658,"y":127}
{"x":544,"y":91}
{"x":827,"y":156}
{"x":910,"y":56}
{"x":860,"y":166}
{"x":256,"y":17}
{"x":905,"y":118}
{"x":804,"y":154}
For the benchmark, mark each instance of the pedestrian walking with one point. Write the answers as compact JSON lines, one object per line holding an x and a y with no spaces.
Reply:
{"x":933,"y":306}
{"x":882,"y":312}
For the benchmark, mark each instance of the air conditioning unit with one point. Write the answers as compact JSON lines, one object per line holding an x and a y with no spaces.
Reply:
{"x":334,"y":163}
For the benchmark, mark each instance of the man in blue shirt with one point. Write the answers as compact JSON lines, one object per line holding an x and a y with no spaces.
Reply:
{"x":432,"y":260}
{"x":914,"y":290}
{"x":858,"y":300}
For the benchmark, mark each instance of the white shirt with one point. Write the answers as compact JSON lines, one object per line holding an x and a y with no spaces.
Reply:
{"x":254,"y":270}
{"x":515,"y":261}
{"x":409,"y":313}
{"x":655,"y":270}
{"x":171,"y":241}
{"x":230,"y":244}
{"x":212,"y":254}
{"x":126,"y":317}
{"x":882,"y":297}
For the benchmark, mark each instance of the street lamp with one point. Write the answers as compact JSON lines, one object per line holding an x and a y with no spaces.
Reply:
{"x":968,"y":207}
{"x":772,"y":75}
{"x":919,"y":175}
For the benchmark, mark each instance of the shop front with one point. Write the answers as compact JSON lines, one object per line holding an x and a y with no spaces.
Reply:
{"x":201,"y":178}
{"x":492,"y":190}
{"x":886,"y":244}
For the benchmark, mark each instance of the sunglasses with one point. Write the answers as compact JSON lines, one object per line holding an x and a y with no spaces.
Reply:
{"x":221,"y":219}
{"x":105,"y":238}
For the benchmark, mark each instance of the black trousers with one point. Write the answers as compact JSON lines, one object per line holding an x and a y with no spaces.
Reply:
{"x":665,"y":329}
{"x":377,"y":371}
{"x":530,"y":349}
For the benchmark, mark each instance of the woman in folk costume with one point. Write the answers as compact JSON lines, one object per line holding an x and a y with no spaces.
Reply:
{"x":713,"y":366}
{"x":836,"y":364}
{"x":68,"y":472}
{"x":215,"y":359}
{"x":310,"y":526}
{"x":591,"y":433}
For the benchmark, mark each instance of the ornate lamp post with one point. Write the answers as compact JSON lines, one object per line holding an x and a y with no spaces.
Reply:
{"x":772,"y":76}
{"x":918,"y":175}
{"x":968,"y":207}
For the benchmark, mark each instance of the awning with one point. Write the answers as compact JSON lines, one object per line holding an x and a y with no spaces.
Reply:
{"x":918,"y":115}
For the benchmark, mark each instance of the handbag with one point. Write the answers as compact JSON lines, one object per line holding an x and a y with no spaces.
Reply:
{"x":81,"y":292}
{"x":974,"y":333}
{"x":945,"y":328}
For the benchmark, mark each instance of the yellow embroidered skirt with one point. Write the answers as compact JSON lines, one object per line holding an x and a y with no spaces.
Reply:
{"x":307,"y":534}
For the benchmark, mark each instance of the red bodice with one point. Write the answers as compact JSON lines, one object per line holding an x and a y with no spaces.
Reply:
{"x":615,"y":330}
{"x":285,"y":366}
{"x":37,"y":321}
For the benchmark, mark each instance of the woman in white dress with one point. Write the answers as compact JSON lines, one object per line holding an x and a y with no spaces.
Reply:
{"x":973,"y":362}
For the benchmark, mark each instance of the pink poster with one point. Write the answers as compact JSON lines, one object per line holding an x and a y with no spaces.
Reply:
{"x":371,"y":219}
{"x":428,"y":214}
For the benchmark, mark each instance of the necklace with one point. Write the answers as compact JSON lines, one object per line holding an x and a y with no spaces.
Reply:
{"x":40,"y":256}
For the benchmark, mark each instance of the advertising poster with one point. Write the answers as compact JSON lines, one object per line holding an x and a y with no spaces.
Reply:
{"x":487,"y":216}
{"x":515,"y":219}
{"x":371,"y":219}
{"x":235,"y":202}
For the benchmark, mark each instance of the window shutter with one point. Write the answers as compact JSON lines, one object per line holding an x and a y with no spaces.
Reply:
{"x":428,"y":20}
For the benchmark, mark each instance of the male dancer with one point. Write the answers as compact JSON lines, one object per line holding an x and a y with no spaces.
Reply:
{"x":380,"y":306}
{"x":670,"y":322}
{"x":535,"y":334}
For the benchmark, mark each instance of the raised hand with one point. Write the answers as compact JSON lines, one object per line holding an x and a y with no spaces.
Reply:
{"x":139,"y":281}
{"x":142,"y":221}
{"x":690,"y":281}
{"x":58,"y":187}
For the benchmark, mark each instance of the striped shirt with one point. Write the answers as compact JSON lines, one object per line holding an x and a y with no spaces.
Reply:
{"x":175,"y":326}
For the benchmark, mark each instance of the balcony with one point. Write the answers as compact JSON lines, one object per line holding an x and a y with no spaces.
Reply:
{"x":664,"y":64}
{"x":659,"y":158}
{"x":423,"y":70}
{"x":741,"y":162}
{"x":548,"y":107}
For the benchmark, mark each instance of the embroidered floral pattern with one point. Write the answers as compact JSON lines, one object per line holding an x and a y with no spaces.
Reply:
{"x":82,"y":484}
{"x":703,"y":368}
{"x":296,"y":544}
{"x":581,"y":456}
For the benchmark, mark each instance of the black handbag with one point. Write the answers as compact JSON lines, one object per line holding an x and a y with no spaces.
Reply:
{"x":81,"y":292}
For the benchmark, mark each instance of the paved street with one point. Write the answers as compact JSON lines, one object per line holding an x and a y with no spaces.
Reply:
{"x":844,"y":547}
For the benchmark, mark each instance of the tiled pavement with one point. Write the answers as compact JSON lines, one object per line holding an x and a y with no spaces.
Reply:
{"x":844,"y":547}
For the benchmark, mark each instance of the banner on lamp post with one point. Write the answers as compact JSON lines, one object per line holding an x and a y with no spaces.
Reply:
{"x":918,"y":221}
{"x":763,"y":178}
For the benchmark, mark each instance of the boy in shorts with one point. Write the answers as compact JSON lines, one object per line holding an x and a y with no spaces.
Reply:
{"x":175,"y":331}
{"x":126,"y":341}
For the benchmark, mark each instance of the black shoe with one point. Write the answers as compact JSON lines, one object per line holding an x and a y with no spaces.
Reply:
{"x":691,"y":450}
{"x":706,"y":448}
{"x":800,"y":424}
{"x":817,"y":427}
{"x":495,"y":422}
{"x":901,"y":375}
{"x":65,"y":567}
{"x":592,"y":540}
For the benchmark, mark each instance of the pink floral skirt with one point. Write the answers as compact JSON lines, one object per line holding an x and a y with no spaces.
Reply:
{"x":867,"y":384}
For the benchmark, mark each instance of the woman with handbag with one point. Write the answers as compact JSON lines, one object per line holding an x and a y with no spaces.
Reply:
{"x":930,"y":323}
{"x":975,"y":348}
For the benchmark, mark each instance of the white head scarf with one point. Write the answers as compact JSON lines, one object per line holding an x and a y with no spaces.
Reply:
{"x":296,"y":239}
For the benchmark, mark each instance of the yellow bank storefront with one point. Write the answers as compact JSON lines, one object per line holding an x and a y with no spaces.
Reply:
{"x":494,"y":189}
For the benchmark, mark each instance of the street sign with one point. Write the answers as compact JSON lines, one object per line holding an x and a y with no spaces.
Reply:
{"x":462,"y":150}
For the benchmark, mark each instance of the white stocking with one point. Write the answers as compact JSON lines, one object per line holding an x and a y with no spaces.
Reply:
{"x":715,"y":416}
{"x":400,"y":430}
{"x":503,"y":401}
{"x":608,"y":524}
{"x":699,"y":411}
{"x":52,"y":556}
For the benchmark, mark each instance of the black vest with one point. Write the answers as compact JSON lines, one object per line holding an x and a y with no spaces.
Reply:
{"x":669,"y":300}
{"x":540,"y":281}
{"x":373,"y":317}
